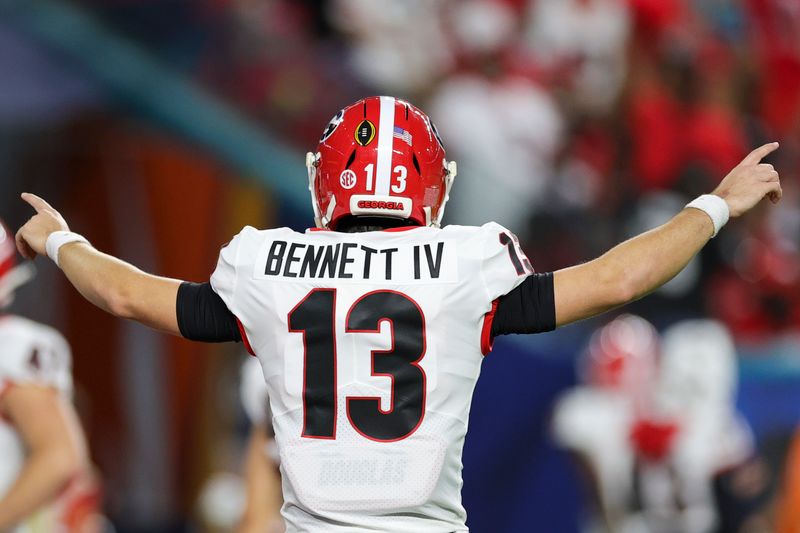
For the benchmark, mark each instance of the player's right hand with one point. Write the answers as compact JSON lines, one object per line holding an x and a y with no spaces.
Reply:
{"x":750,"y":181}
{"x":32,"y":237}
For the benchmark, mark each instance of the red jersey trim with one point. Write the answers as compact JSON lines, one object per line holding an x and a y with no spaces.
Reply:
{"x":486,"y":331}
{"x":245,"y":340}
{"x":402,"y":228}
{"x":5,"y":386}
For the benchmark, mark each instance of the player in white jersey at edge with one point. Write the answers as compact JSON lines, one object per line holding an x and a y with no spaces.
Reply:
{"x":42,"y":448}
{"x":371,"y":327}
{"x":262,"y":480}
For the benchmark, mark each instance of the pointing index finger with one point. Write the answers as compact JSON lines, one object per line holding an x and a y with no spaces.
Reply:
{"x":37,"y":203}
{"x":760,"y":153}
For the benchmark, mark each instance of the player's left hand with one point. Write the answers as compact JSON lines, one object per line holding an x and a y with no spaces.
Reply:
{"x":750,"y":181}
{"x":32,"y":237}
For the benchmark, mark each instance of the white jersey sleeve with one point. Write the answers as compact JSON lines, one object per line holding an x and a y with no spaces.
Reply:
{"x":34,"y":354}
{"x":504,"y":265}
{"x":225,"y":278}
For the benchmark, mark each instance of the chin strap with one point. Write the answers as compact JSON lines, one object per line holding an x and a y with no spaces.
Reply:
{"x":312,"y":161}
{"x":451,"y":171}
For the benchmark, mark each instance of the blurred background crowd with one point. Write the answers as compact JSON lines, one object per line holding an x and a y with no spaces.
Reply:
{"x":160,"y":127}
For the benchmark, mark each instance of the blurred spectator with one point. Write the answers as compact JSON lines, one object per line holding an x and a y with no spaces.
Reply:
{"x":387,"y":49}
{"x":503,"y":133}
{"x":655,"y":128}
{"x":503,"y":129}
{"x":279,"y":70}
{"x":775,"y":26}
{"x":587,"y":39}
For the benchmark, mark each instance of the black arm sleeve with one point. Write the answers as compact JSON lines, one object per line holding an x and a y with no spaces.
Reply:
{"x":530,"y":308}
{"x":203,"y":316}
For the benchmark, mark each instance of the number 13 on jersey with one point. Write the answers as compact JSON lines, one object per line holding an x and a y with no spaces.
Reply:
{"x":314,"y":317}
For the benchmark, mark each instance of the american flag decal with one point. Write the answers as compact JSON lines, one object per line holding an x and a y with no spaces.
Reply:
{"x":403,"y":135}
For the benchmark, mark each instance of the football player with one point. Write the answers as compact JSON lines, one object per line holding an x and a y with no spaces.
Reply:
{"x":657,"y":434}
{"x":594,"y":420}
{"x":263,"y":503}
{"x":43,"y":460}
{"x":371,"y":327}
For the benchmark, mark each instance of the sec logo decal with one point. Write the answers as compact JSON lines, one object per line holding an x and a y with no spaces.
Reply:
{"x":347,"y":179}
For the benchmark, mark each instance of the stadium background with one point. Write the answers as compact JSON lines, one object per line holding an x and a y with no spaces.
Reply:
{"x":160,"y":127}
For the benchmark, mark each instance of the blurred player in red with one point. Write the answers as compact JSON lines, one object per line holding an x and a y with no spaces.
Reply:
{"x":594,"y":420}
{"x":655,"y":427}
{"x":371,"y":327}
{"x":45,"y":484}
{"x":262,"y":513}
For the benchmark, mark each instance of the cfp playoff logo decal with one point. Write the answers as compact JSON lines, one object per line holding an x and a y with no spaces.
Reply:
{"x":365,"y":132}
{"x":347,"y":179}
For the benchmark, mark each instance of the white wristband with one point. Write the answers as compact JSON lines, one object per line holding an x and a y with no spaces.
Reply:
{"x":57,"y":239}
{"x":715,"y":207}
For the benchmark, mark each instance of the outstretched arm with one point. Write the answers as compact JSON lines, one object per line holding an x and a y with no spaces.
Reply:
{"x":111,"y":284}
{"x":642,"y":264}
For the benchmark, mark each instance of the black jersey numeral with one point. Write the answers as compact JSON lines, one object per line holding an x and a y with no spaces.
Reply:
{"x":519,"y":264}
{"x":401,"y":363}
{"x":314,"y":317}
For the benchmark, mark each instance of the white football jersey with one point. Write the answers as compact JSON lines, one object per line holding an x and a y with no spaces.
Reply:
{"x":371,"y":344}
{"x":32,"y":354}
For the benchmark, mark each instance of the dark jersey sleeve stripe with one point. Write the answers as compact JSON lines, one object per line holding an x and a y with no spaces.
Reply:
{"x":203,"y":316}
{"x":530,"y":308}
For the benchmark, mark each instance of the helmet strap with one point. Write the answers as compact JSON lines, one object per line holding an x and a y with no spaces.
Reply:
{"x":329,"y":213}
{"x":449,"y":177}
{"x":312,"y":160}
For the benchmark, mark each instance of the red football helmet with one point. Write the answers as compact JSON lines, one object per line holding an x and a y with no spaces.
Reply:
{"x":380,"y":157}
{"x":622,"y":355}
{"x":12,"y":275}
